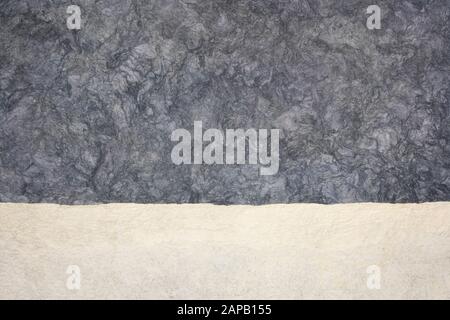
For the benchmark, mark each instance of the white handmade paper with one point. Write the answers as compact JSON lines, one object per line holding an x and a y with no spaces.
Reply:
{"x":300,"y":251}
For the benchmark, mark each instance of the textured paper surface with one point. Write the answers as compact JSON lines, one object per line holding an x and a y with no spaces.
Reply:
{"x":86,"y":116}
{"x":236,"y":252}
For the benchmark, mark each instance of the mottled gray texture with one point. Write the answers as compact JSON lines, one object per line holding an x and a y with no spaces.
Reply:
{"x":86,"y":116}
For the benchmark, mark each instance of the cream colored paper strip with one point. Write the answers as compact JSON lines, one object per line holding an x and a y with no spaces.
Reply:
{"x":300,"y":251}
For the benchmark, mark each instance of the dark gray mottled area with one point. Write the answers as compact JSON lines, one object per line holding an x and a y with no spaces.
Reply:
{"x":86,"y":116}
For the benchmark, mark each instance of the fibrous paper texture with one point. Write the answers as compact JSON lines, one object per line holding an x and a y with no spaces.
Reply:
{"x":86,"y":115}
{"x":302,"y":251}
